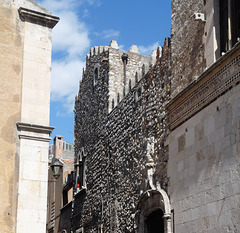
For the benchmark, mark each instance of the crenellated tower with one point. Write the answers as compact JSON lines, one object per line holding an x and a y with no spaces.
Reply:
{"x":109,"y":75}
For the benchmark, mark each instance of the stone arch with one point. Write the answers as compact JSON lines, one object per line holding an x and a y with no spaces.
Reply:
{"x":151,"y":201}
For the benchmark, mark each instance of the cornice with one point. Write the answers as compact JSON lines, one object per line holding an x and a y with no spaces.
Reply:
{"x":211,"y":84}
{"x":34,"y":132}
{"x":33,"y":16}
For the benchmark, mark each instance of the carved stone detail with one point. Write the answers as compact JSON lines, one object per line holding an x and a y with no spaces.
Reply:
{"x":203,"y":91}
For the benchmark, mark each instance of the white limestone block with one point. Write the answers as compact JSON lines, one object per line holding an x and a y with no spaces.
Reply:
{"x":92,"y":51}
{"x":133,"y":49}
{"x":190,"y":137}
{"x":114,"y":44}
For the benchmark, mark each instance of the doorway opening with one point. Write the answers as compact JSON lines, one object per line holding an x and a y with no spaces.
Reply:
{"x":154,"y":222}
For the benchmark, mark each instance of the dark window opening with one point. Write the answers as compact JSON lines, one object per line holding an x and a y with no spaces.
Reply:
{"x":95,"y":75}
{"x":224,"y":45}
{"x":154,"y":222}
{"x":136,"y":77}
{"x":65,"y":198}
{"x":139,"y":92}
{"x":235,"y":11}
{"x":130,"y":84}
{"x":81,"y":172}
{"x":229,"y":19}
{"x":112,"y":103}
{"x":118,"y":98}
{"x":143,"y":70}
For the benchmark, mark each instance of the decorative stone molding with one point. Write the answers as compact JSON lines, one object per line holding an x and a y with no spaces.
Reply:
{"x":34,"y":132}
{"x":214,"y":82}
{"x":150,"y":201}
{"x":32,"y":15}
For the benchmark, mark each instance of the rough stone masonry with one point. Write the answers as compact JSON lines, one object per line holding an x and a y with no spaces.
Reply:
{"x":122,"y":143}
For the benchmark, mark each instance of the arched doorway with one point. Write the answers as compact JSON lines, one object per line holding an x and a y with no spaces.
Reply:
{"x":154,"y":222}
{"x":153,"y":213}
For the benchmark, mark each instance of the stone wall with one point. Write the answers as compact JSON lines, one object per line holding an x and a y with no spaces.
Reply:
{"x":10,"y":97}
{"x":25,"y":52}
{"x":204,"y":160}
{"x":119,"y":147}
{"x":188,"y":60}
{"x":204,"y":169}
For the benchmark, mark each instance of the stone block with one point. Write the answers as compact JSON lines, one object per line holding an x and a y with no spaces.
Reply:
{"x":190,"y":137}
{"x":181,"y":142}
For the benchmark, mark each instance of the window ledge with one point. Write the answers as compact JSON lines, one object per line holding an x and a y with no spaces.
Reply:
{"x":65,"y":206}
{"x":81,"y":191}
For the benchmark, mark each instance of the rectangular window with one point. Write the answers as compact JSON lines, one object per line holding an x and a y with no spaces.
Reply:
{"x":229,"y":23}
{"x":235,"y":21}
{"x":224,"y":45}
{"x":81,"y":173}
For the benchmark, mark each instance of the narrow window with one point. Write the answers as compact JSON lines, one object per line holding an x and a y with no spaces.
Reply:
{"x":229,"y":23}
{"x":235,"y":11}
{"x":95,"y":76}
{"x":139,"y":92}
{"x":136,"y":78}
{"x":112,"y":103}
{"x":130,"y":85}
{"x":118,"y":98}
{"x":224,"y":45}
{"x":143,"y":70}
{"x":81,"y":174}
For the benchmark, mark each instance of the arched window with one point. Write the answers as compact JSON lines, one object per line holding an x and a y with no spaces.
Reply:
{"x":96,"y":75}
{"x":81,"y":167}
{"x":136,"y":78}
{"x":130,"y":84}
{"x":143,"y":69}
{"x":118,"y":98}
{"x":112,"y":103}
{"x":139,"y":92}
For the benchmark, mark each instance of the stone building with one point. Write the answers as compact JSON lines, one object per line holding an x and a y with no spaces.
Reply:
{"x":25,"y":55}
{"x":60,"y":190}
{"x":157,"y":139}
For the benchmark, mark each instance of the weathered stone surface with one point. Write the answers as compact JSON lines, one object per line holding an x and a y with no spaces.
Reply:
{"x":25,"y":54}
{"x":188,"y":60}
{"x":120,"y":144}
{"x":176,"y":128}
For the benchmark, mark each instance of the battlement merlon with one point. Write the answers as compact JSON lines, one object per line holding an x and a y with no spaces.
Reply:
{"x":97,"y":50}
{"x":120,"y":77}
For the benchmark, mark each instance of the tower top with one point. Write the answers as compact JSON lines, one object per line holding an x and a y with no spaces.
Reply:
{"x":114,"y":44}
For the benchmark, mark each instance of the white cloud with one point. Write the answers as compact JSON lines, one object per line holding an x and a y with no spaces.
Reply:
{"x":70,"y":37}
{"x":59,"y":5}
{"x":85,"y":13}
{"x":65,"y":81}
{"x":147,"y":50}
{"x":110,"y":33}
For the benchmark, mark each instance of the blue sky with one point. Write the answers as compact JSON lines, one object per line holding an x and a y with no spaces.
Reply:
{"x":87,"y":23}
